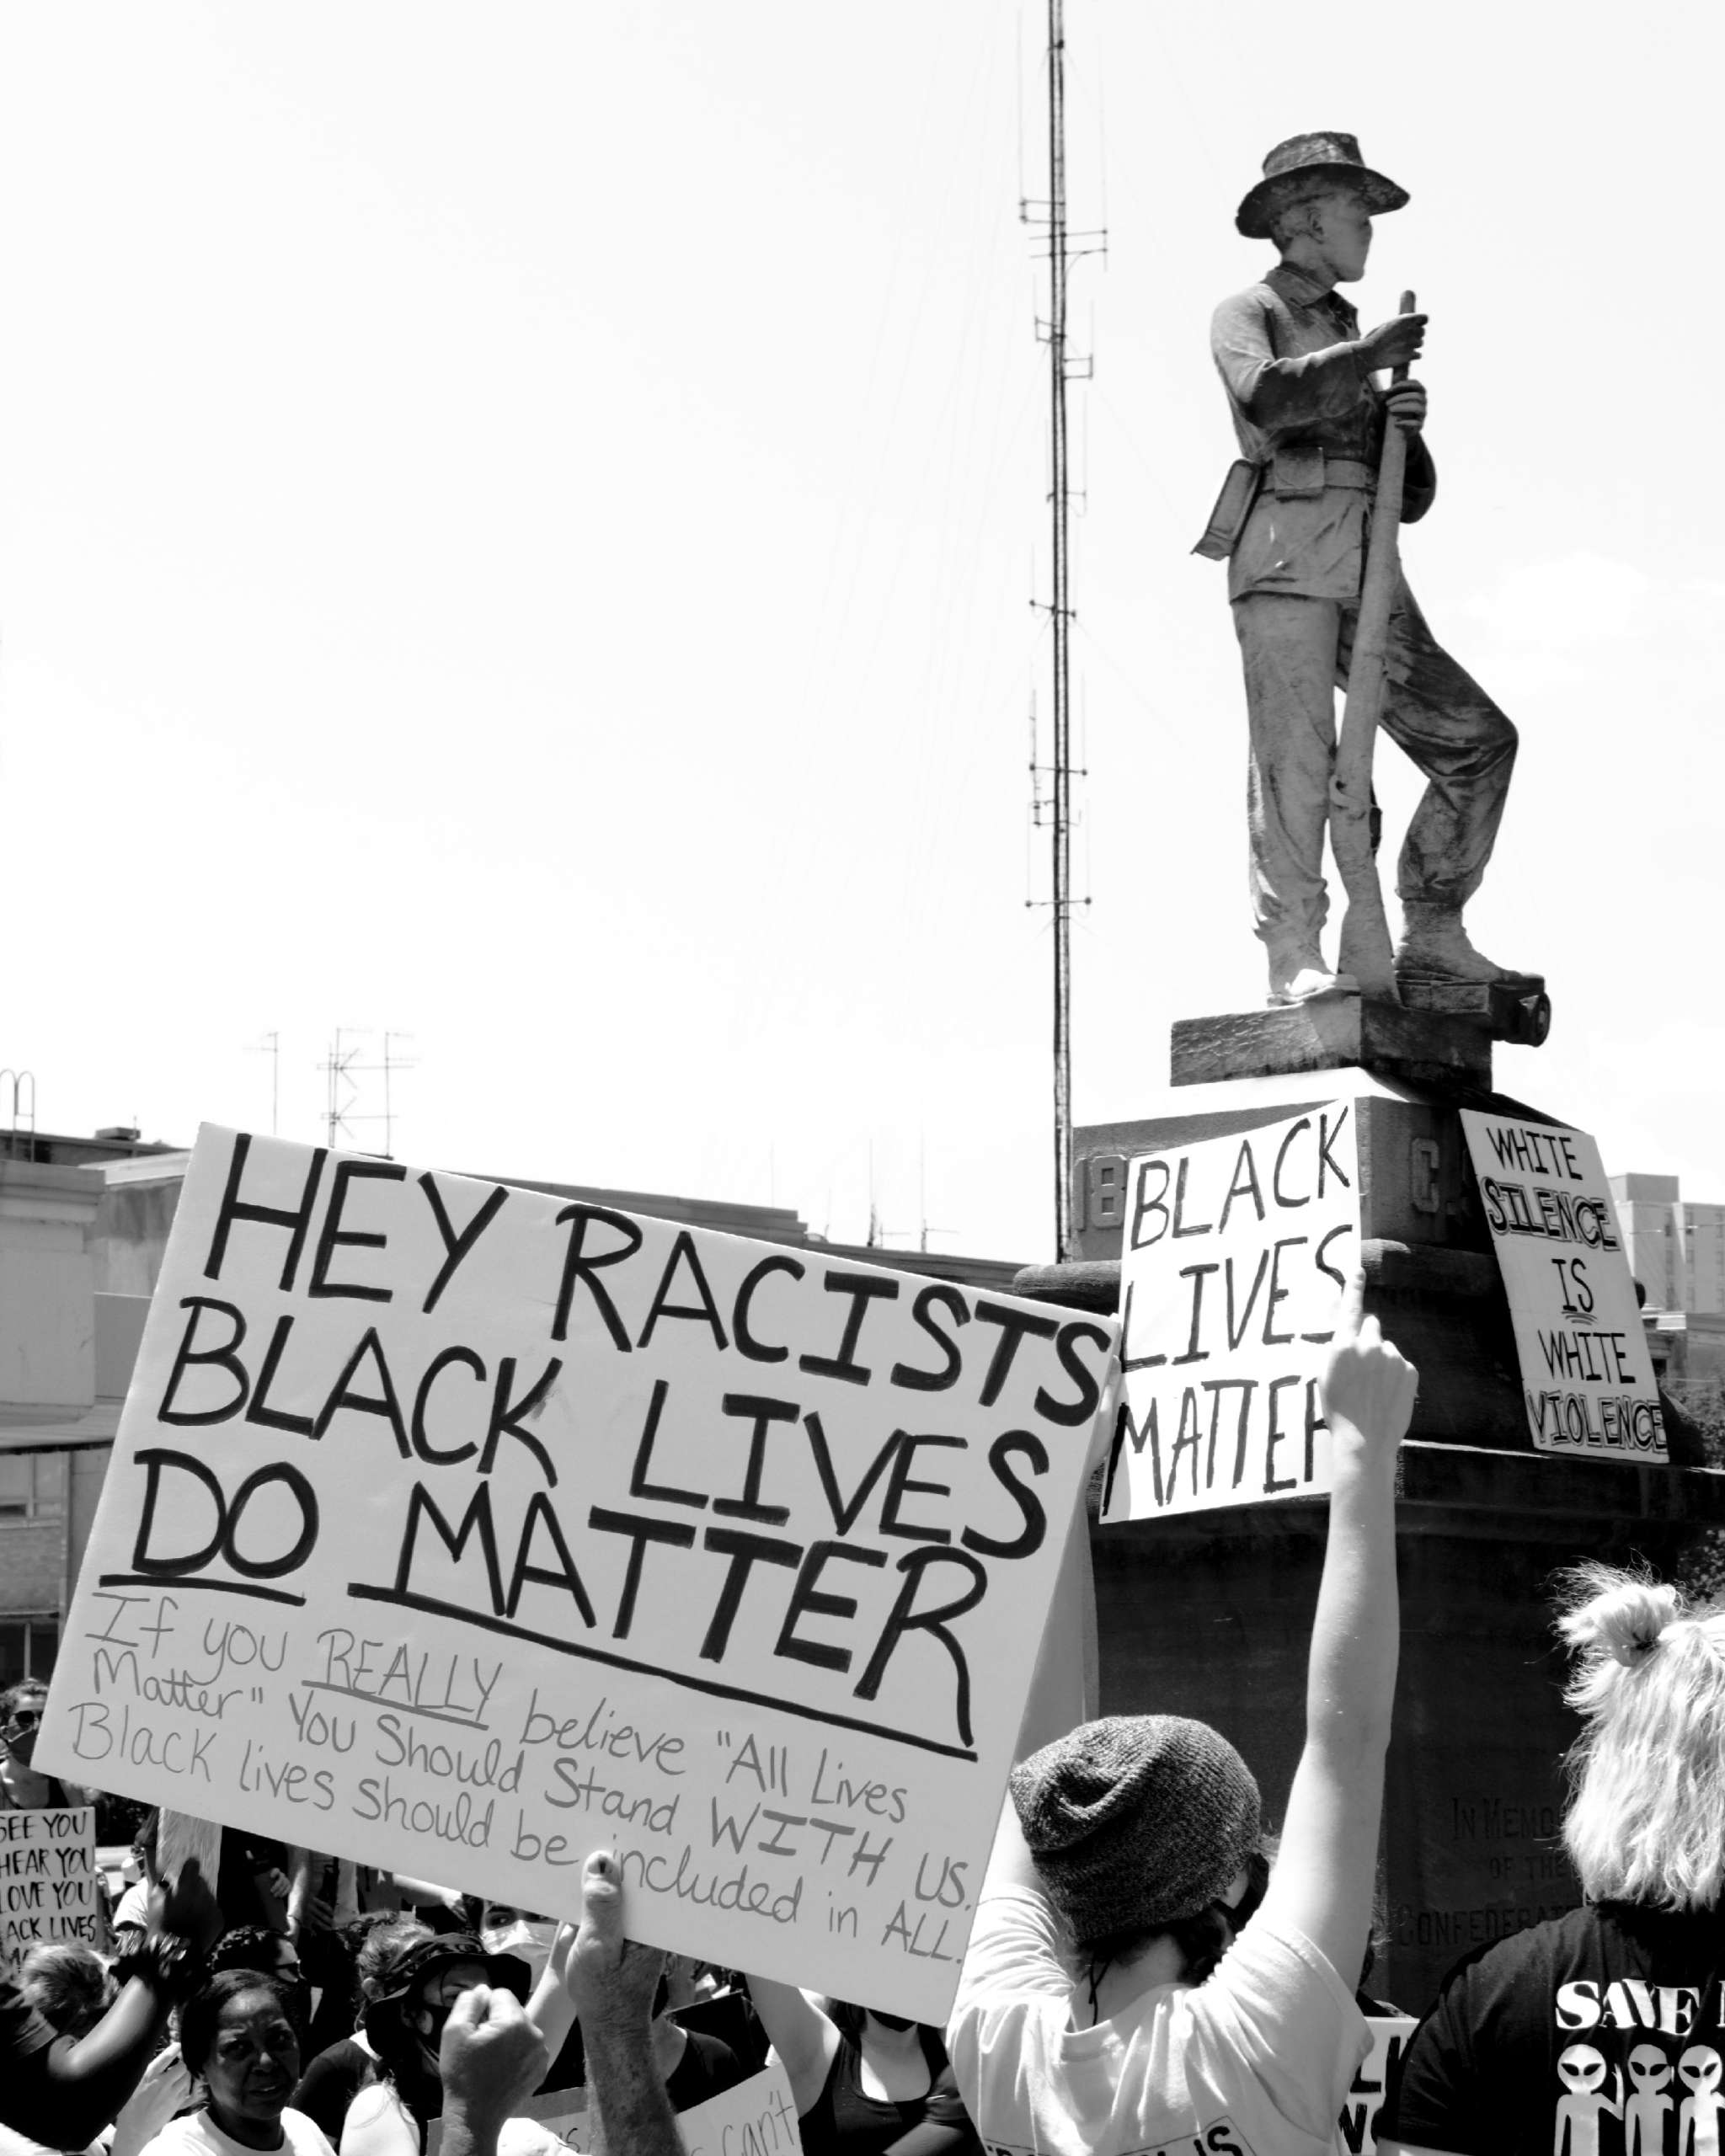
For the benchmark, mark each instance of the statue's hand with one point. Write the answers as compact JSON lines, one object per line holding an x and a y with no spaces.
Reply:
{"x":1405,"y":402}
{"x":1396,"y":343}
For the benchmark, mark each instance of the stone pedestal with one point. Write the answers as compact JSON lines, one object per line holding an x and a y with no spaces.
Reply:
{"x":1210,"y":1615}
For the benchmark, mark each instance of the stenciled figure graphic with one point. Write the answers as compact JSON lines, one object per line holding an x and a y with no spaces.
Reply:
{"x":1700,"y":2069}
{"x":1645,"y":2112}
{"x":1578,"y":2111}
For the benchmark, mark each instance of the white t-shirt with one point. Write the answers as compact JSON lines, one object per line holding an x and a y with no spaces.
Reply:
{"x":197,"y":2134}
{"x":375,"y":2107}
{"x":1254,"y":2062}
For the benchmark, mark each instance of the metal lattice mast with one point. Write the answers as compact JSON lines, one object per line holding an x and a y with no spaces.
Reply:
{"x":1060,"y":505}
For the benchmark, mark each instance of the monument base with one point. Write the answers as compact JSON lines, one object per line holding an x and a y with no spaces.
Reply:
{"x":1210,"y":1613}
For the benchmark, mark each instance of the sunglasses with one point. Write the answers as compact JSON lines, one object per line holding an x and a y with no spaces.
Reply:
{"x":24,"y":1719}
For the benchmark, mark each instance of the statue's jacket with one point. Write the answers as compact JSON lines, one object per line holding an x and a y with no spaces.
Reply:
{"x":1307,"y":413}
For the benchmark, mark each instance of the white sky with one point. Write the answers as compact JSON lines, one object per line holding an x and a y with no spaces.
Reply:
{"x":517,"y":526}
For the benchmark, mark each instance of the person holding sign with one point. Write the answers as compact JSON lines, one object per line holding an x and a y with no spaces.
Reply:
{"x":1614,"y":2010}
{"x":1130,"y":1840}
{"x":64,"y":2090}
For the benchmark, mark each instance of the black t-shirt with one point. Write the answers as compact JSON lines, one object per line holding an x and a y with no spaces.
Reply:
{"x":329,"y":2084}
{"x":28,"y":2098}
{"x":1599,"y":2034}
{"x":707,"y":2068}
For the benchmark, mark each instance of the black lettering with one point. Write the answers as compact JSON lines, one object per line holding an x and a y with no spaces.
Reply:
{"x":843,"y":1511}
{"x":1004,"y":1449}
{"x":260,"y":1412}
{"x":1144,"y":1203}
{"x":1071,"y":1414}
{"x":899,"y":1487}
{"x":455,"y":1246}
{"x":744,"y":1550}
{"x":1323,"y":1265}
{"x":682,"y":1252}
{"x":508,"y":1417}
{"x":448,"y":1455}
{"x":641,"y":1530}
{"x":577,"y":1265}
{"x":807,"y":1601}
{"x":297,"y":1219}
{"x":1014,"y":1325}
{"x":904,"y":1618}
{"x":1326,"y":1158}
{"x":566,"y":1576}
{"x":476,"y":1521}
{"x":1292,"y":1132}
{"x":764,"y":1413}
{"x":225,"y":1357}
{"x":383,"y":1404}
{"x":1204,"y":1227}
{"x":153,"y":1460}
{"x":663,"y":1493}
{"x":301,"y":1491}
{"x":1248,"y":1189}
{"x":1196,"y":1274}
{"x":746,"y":1343}
{"x":863,"y":1288}
{"x":941,"y":1295}
{"x":1278,"y":1292}
{"x":334,"y":1236}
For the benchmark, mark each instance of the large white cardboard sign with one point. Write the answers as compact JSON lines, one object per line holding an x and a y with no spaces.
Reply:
{"x":464,"y":1529}
{"x":49,"y":1883}
{"x":1586,"y":1375}
{"x":1235,"y":1251}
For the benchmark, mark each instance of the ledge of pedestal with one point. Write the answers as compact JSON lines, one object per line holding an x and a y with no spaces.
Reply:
{"x":1439,"y":1049}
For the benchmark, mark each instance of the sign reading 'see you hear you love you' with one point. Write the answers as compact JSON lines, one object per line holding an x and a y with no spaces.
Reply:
{"x":1235,"y":1252}
{"x":464,"y":1529}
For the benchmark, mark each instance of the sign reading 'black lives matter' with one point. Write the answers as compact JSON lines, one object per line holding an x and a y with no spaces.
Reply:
{"x":464,"y":1530}
{"x":1235,"y":1251}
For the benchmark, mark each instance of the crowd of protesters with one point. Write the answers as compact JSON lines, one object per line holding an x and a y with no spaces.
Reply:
{"x":1146,"y":1970}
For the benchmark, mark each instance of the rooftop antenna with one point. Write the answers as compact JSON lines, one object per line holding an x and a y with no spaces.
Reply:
{"x":21,"y":1080}
{"x":343,"y":1068}
{"x":270,"y":1045}
{"x":340,"y":1091}
{"x":1053,"y":810}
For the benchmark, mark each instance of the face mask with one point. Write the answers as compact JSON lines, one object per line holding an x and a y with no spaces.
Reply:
{"x":529,"y":1942}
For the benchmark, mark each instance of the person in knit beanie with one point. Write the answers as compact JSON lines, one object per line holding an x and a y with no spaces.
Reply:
{"x":1115,"y":1998}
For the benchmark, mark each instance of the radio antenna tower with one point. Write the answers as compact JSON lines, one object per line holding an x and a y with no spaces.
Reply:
{"x":1053,"y":810}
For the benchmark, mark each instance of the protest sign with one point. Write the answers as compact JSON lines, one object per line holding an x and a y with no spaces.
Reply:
{"x":1357,"y":2125}
{"x":1586,"y":1376}
{"x":1235,"y":1251}
{"x":463,"y":1529}
{"x":49,"y":1888}
{"x":563,"y":2112}
{"x":755,"y":2118}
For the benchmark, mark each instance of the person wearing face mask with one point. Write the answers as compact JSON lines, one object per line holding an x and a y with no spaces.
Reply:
{"x":22,"y":1788}
{"x":404,"y":2025}
{"x":864,"y":2083}
{"x":235,"y":2033}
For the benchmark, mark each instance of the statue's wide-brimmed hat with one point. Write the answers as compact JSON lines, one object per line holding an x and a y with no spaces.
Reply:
{"x":1305,"y":158}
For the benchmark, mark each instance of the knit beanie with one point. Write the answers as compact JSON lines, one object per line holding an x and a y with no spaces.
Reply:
{"x":1136,"y":1820}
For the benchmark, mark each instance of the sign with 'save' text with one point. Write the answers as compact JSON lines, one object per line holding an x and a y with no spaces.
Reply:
{"x":463,"y":1529}
{"x":49,"y":1883}
{"x":1235,"y":1251}
{"x":1587,"y":1378}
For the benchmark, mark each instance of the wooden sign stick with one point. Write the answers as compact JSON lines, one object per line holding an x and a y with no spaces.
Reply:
{"x":1365,"y":951}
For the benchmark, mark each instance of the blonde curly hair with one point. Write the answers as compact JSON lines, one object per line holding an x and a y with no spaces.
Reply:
{"x":1645,"y":1821}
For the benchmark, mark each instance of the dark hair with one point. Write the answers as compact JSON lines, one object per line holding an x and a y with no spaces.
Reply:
{"x":380,"y":1937}
{"x":246,"y":1946}
{"x":202,"y":2012}
{"x":67,"y":1984}
{"x":1202,"y":1940}
{"x":15,"y":1695}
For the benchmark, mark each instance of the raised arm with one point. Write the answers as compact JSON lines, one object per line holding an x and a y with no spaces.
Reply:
{"x":1325,"y":1869}
{"x":806,"y":2040}
{"x":612,"y":1984}
{"x":551,"y":2010}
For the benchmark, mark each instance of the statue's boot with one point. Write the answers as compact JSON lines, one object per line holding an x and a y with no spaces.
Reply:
{"x":1298,"y":973}
{"x":1434,"y":946}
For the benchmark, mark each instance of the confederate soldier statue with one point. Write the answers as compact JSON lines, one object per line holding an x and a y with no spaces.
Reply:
{"x":1294,"y":524}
